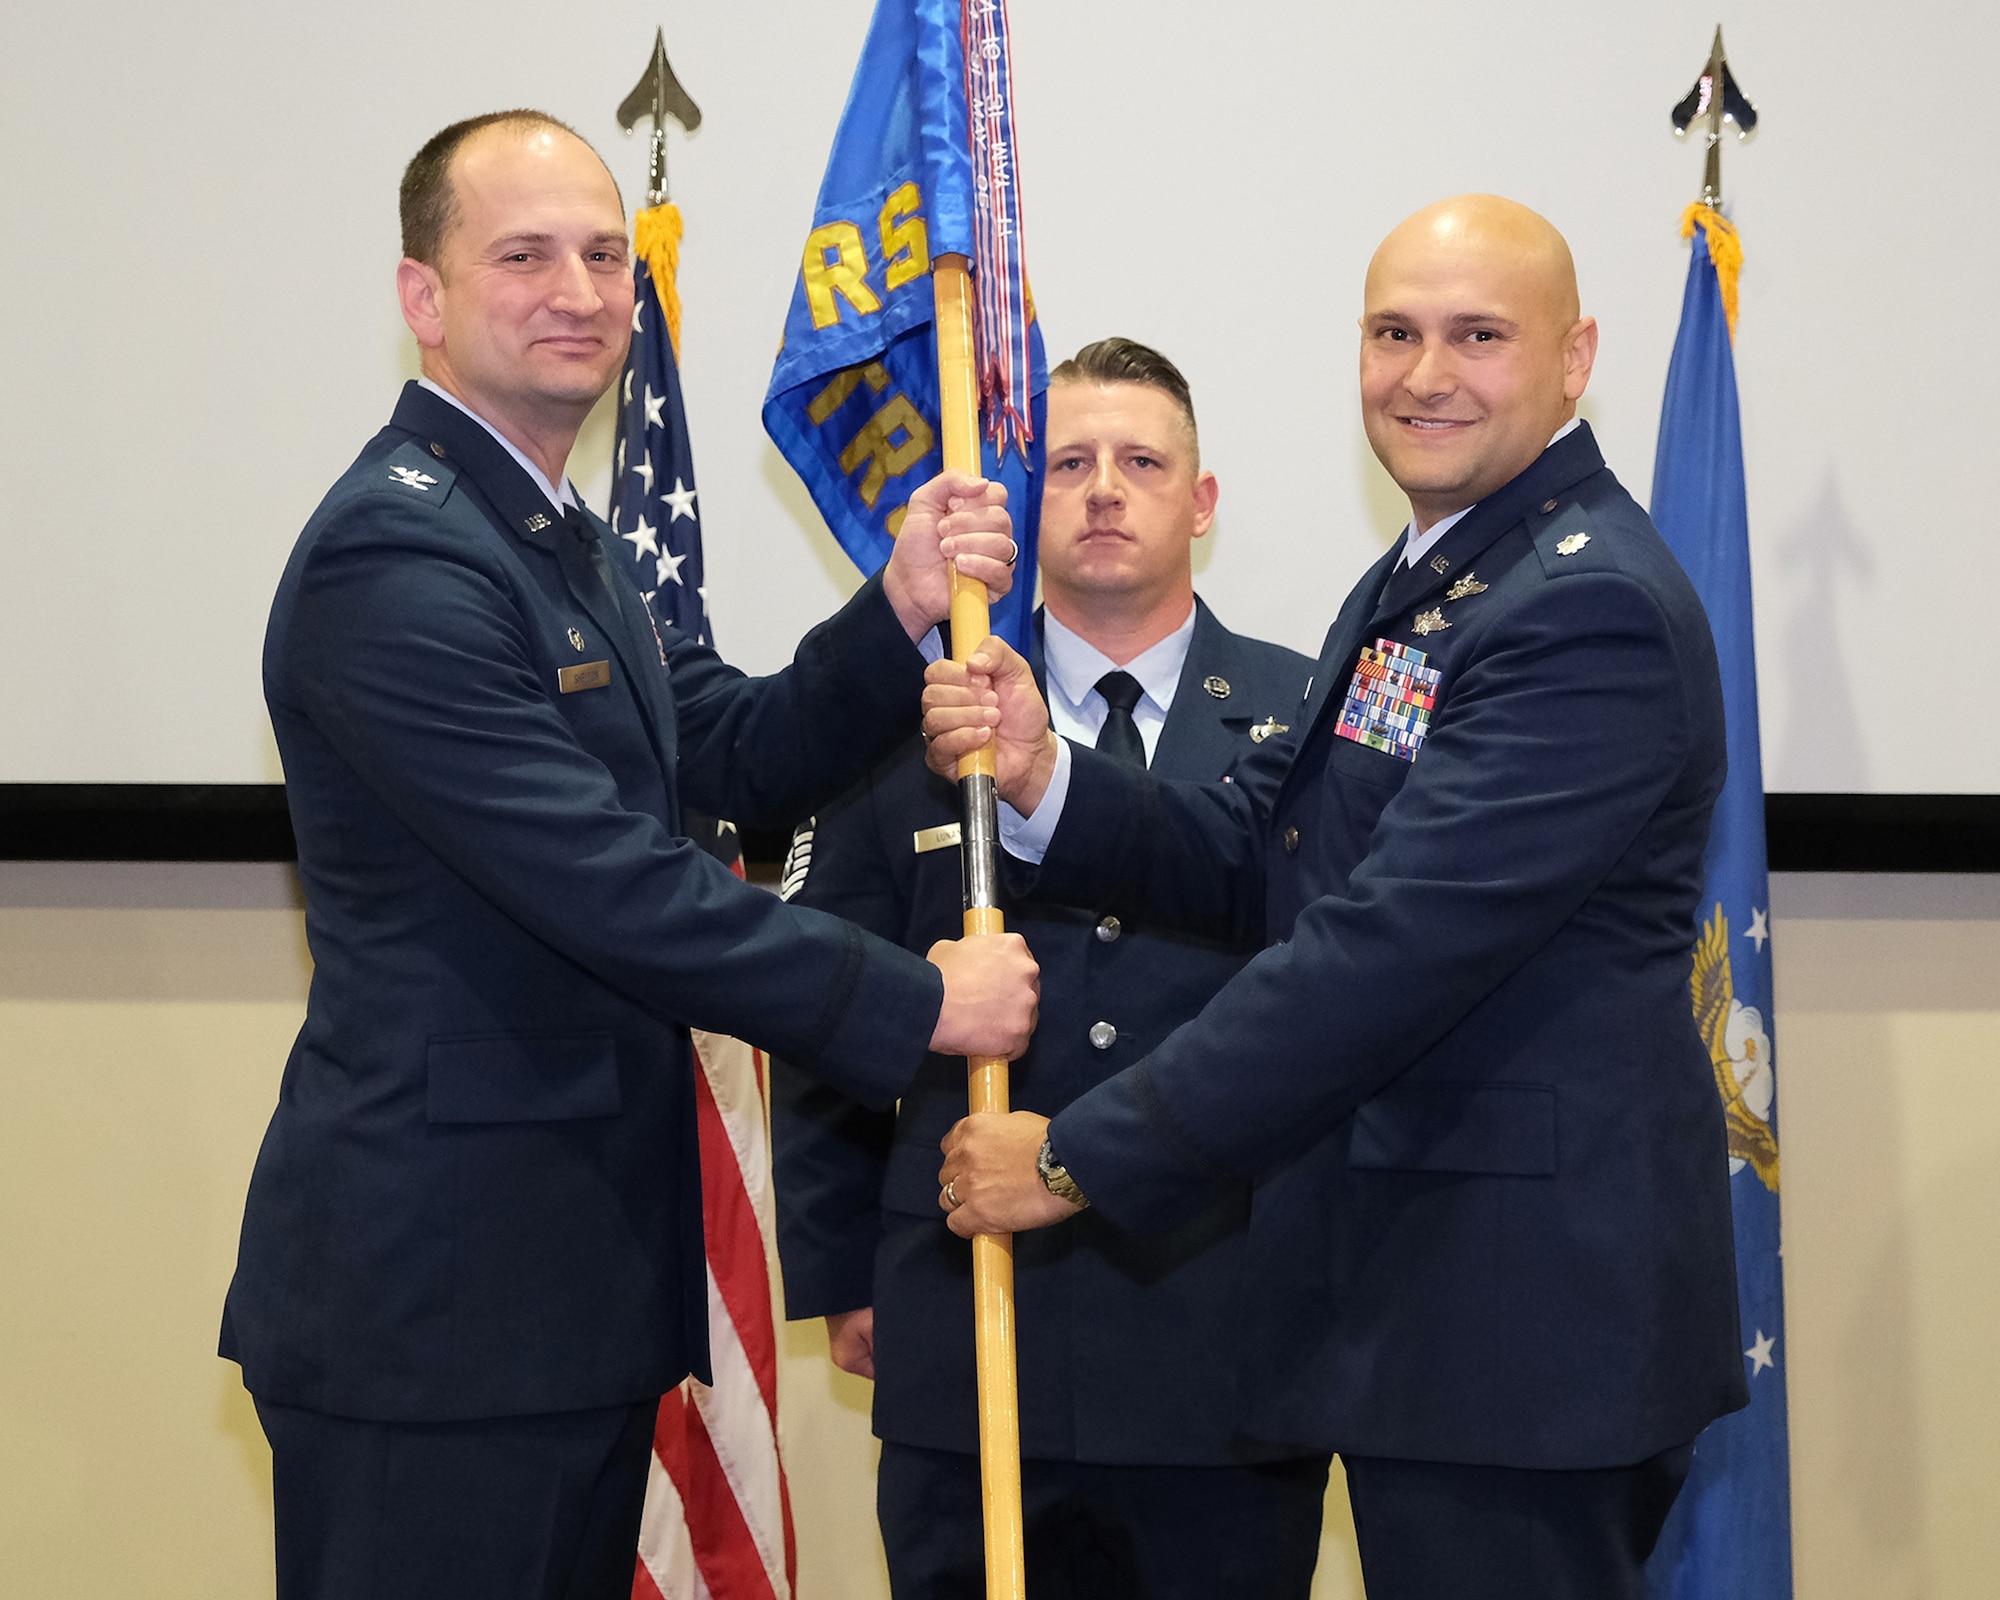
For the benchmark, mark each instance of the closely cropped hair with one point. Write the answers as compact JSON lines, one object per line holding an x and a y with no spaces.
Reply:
{"x":1128,"y":361}
{"x":428,"y":205}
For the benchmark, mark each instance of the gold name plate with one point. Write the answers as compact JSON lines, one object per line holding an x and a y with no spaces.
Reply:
{"x":584,"y":675}
{"x":944,"y":838}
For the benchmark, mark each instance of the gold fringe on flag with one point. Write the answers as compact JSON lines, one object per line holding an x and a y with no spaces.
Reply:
{"x":1725,"y":249}
{"x":656,"y":236}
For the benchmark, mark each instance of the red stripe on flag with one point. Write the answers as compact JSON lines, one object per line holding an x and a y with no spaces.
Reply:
{"x":643,"y":1587}
{"x":736,"y":1244}
{"x":723,"y":1546}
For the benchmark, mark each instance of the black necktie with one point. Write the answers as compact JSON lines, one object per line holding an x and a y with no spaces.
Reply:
{"x":1119,"y":737}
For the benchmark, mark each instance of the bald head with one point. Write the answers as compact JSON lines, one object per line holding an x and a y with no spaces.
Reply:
{"x":1472,"y":351}
{"x":1499,"y":240}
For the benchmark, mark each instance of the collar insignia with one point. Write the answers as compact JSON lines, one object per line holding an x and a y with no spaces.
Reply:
{"x":1574,"y":543}
{"x":534,"y":524}
{"x":1440,"y":565}
{"x":1219,"y":687}
{"x":1467,"y":585}
{"x":410,"y":478}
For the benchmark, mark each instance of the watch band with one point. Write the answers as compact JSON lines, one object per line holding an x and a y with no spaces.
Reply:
{"x":1056,"y":1178}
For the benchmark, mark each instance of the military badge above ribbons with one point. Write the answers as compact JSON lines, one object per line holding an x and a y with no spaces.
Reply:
{"x":853,"y":402}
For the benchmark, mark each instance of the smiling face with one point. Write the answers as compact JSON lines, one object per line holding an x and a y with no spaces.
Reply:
{"x":1472,"y":352}
{"x":527,"y":315}
{"x":1124,"y":501}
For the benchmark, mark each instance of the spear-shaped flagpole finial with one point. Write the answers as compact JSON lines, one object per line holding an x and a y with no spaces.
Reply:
{"x":658,"y":95}
{"x":1712,"y":101}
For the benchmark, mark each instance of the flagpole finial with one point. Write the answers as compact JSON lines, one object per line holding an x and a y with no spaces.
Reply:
{"x":1714,"y":100}
{"x":658,"y":95}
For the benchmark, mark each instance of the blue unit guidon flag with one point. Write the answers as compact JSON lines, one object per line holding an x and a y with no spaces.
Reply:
{"x":1729,"y":1535}
{"x":653,"y":504}
{"x":1390,"y":699}
{"x":853,"y":402}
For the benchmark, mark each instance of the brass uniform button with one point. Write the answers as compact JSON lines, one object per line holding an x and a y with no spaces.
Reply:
{"x":1102,"y":1035}
{"x":1291,"y":837}
{"x":437,"y":449}
{"x":1108,"y":928}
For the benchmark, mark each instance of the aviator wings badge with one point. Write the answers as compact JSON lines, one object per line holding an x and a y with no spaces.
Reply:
{"x":1431,"y":621}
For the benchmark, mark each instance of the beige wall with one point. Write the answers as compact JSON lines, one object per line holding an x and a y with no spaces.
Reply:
{"x":145,"y":1010}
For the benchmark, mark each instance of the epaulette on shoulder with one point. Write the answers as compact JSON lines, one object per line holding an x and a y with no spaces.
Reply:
{"x":1570,"y":542}
{"x":410,"y":470}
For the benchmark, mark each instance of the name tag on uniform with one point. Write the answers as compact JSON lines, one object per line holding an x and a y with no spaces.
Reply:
{"x":942,"y":838}
{"x":584,"y":675}
{"x":1390,"y":700}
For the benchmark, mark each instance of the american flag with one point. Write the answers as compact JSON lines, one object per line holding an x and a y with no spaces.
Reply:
{"x":653,"y":503}
{"x":718,"y":1518}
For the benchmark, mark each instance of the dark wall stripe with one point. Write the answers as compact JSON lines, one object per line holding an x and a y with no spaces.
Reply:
{"x":1883,"y":832}
{"x":248,"y":822}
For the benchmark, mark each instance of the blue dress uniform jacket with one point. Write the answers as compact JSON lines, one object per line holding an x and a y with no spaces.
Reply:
{"x":479,"y":1194}
{"x":1121,"y":1337}
{"x":1492,"y":1218}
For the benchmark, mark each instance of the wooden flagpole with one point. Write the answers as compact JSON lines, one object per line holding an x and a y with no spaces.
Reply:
{"x":992,"y":1254}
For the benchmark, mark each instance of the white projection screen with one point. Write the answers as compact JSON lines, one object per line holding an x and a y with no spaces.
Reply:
{"x":198,"y":330}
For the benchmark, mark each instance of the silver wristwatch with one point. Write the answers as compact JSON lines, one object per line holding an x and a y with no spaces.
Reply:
{"x":1056,"y":1178}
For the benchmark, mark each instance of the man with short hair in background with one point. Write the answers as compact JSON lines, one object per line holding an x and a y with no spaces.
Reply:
{"x":1131,"y":1480}
{"x":1490,"y":1259}
{"x":471,"y":1259}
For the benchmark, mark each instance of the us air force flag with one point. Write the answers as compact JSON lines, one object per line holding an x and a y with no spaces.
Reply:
{"x":853,"y":402}
{"x":653,"y":507}
{"x":1729,"y":1537}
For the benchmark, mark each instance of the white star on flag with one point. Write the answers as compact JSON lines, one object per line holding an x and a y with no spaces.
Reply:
{"x":669,"y":567}
{"x":654,"y":418}
{"x":1760,"y":1352}
{"x":681,"y":500}
{"x":626,"y":398}
{"x":645,"y":470}
{"x":1759,"y":930}
{"x":644,"y":537}
{"x":637,"y":307}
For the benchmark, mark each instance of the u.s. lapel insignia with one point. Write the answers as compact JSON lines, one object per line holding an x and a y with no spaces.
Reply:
{"x":1268,"y":727}
{"x":1440,"y":565}
{"x":576,"y":638}
{"x":1431,"y":621}
{"x":410,"y":478}
{"x":1219,"y":687}
{"x":535,"y":522}
{"x":1467,"y":585}
{"x":1574,"y":543}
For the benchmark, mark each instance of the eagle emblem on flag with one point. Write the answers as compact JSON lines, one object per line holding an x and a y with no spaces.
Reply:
{"x":1739,"y":1045}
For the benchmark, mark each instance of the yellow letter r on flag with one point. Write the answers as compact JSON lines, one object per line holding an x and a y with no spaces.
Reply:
{"x":836,"y":262}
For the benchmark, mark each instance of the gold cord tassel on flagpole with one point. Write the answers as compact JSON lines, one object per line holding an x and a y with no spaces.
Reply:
{"x":992,"y":1254}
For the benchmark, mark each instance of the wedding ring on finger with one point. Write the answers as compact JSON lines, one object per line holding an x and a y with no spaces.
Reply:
{"x":950,"y":1193}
